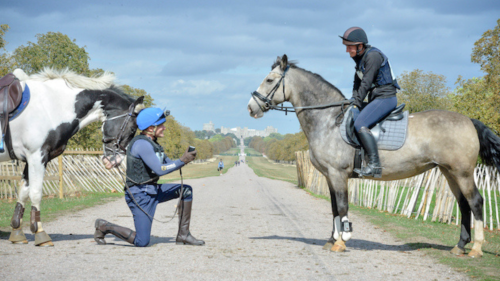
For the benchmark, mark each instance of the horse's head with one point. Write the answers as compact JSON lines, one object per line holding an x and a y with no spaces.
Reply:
{"x":272,"y":90}
{"x":118,"y":129}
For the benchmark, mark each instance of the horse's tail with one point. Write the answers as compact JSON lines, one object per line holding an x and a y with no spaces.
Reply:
{"x":489,"y":144}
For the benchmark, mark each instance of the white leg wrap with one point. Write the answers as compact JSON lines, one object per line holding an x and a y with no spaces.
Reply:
{"x":337,"y":233}
{"x":346,"y":235}
{"x":478,"y":235}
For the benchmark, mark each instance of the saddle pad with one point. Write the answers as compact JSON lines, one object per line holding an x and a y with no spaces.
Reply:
{"x":393,"y":138}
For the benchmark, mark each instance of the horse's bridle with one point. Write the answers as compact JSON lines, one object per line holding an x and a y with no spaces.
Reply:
{"x":267,"y":100}
{"x":116,"y":146}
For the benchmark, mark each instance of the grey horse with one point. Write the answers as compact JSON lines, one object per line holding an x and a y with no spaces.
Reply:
{"x":448,"y":140}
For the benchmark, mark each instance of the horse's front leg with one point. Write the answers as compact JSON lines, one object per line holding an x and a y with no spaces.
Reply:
{"x":36,"y":172}
{"x":342,"y":227}
{"x":335,"y":212}
{"x":17,"y":235}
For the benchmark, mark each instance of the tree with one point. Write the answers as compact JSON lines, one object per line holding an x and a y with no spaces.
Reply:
{"x":135,"y":92}
{"x":423,"y":91}
{"x":479,"y":98}
{"x":486,"y":52}
{"x":5,"y":59}
{"x":52,"y":49}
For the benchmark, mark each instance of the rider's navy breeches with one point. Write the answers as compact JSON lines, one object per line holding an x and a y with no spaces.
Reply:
{"x":375,"y":111}
{"x":148,"y":203}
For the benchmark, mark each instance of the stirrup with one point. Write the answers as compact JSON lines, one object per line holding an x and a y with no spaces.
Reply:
{"x":375,"y":172}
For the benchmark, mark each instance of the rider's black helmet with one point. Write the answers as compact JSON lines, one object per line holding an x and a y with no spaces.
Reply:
{"x":354,"y":36}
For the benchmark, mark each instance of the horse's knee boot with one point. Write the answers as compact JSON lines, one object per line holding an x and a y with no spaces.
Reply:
{"x":184,"y":237}
{"x":17,"y":235}
{"x":17,"y":217}
{"x":34,"y":219}
{"x":103,"y":227}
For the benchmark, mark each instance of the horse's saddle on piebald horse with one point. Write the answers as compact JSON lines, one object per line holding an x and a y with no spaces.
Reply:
{"x":11,"y":99}
{"x":390,"y":133}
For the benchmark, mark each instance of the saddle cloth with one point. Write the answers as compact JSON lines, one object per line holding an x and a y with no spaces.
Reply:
{"x":390,"y":133}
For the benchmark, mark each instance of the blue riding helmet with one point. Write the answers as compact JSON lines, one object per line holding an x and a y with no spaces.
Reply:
{"x":152,"y":116}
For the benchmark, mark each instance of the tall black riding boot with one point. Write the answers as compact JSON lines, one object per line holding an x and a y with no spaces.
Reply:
{"x":103,"y":227}
{"x":184,"y":236}
{"x":373,"y":168}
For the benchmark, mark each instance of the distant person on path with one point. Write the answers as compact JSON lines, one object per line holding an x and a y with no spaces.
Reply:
{"x":373,"y":79}
{"x":146,"y":162}
{"x":221,"y":167}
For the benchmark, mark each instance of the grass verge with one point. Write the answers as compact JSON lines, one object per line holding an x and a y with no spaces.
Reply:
{"x":263,"y":168}
{"x":203,"y":170}
{"x":252,"y":152}
{"x":53,"y":207}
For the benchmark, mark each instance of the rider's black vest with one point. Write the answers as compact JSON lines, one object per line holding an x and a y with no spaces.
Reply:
{"x":137,"y":171}
{"x":385,"y":76}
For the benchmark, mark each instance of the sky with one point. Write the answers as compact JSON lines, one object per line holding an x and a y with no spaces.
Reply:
{"x":202,"y":59}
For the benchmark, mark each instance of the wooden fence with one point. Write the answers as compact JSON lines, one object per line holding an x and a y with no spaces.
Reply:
{"x":72,"y":172}
{"x":425,"y":196}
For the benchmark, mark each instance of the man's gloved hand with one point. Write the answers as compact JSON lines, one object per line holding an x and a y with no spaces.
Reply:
{"x":188,"y":156}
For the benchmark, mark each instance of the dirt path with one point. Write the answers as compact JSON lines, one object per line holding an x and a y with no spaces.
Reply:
{"x":254,"y":229}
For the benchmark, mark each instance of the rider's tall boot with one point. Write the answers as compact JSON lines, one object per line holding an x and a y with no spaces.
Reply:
{"x":373,"y":168}
{"x":103,"y":227}
{"x":184,"y":237}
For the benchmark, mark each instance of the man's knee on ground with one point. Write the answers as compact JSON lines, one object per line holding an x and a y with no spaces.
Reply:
{"x":138,"y":242}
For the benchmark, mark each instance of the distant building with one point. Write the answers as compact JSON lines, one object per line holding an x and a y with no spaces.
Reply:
{"x":209,"y":127}
{"x":245,"y":132}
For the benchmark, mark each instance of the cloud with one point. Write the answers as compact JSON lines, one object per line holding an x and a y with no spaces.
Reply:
{"x":195,"y":88}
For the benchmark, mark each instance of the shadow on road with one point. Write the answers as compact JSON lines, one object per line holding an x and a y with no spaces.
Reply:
{"x":110,"y":239}
{"x":360,"y":244}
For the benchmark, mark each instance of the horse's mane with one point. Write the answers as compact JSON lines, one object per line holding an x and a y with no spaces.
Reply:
{"x":293,"y":64}
{"x":105,"y":81}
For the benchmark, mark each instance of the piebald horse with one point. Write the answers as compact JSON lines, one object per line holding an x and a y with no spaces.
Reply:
{"x":448,"y":140}
{"x":61,"y":104}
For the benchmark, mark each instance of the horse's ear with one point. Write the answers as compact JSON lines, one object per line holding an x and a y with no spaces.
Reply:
{"x":284,"y":62}
{"x":137,"y":105}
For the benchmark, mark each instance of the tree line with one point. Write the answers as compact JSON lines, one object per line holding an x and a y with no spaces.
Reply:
{"x":58,"y":51}
{"x":279,"y":147}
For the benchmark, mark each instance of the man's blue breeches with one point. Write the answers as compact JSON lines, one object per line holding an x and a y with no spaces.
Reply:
{"x":148,"y":203}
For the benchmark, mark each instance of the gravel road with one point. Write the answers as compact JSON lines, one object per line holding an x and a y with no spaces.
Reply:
{"x":254,"y":229}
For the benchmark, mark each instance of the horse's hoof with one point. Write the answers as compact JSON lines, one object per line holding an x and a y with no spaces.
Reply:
{"x":338,"y":247}
{"x":328,"y":246}
{"x":46,"y":244}
{"x":42,"y":239}
{"x":475,"y":254}
{"x":457,"y":251}
{"x":17,"y":236}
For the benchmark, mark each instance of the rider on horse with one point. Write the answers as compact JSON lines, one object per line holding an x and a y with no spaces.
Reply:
{"x":373,"y":78}
{"x":146,"y":162}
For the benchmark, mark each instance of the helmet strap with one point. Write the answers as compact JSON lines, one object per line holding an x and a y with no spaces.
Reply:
{"x":358,"y":51}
